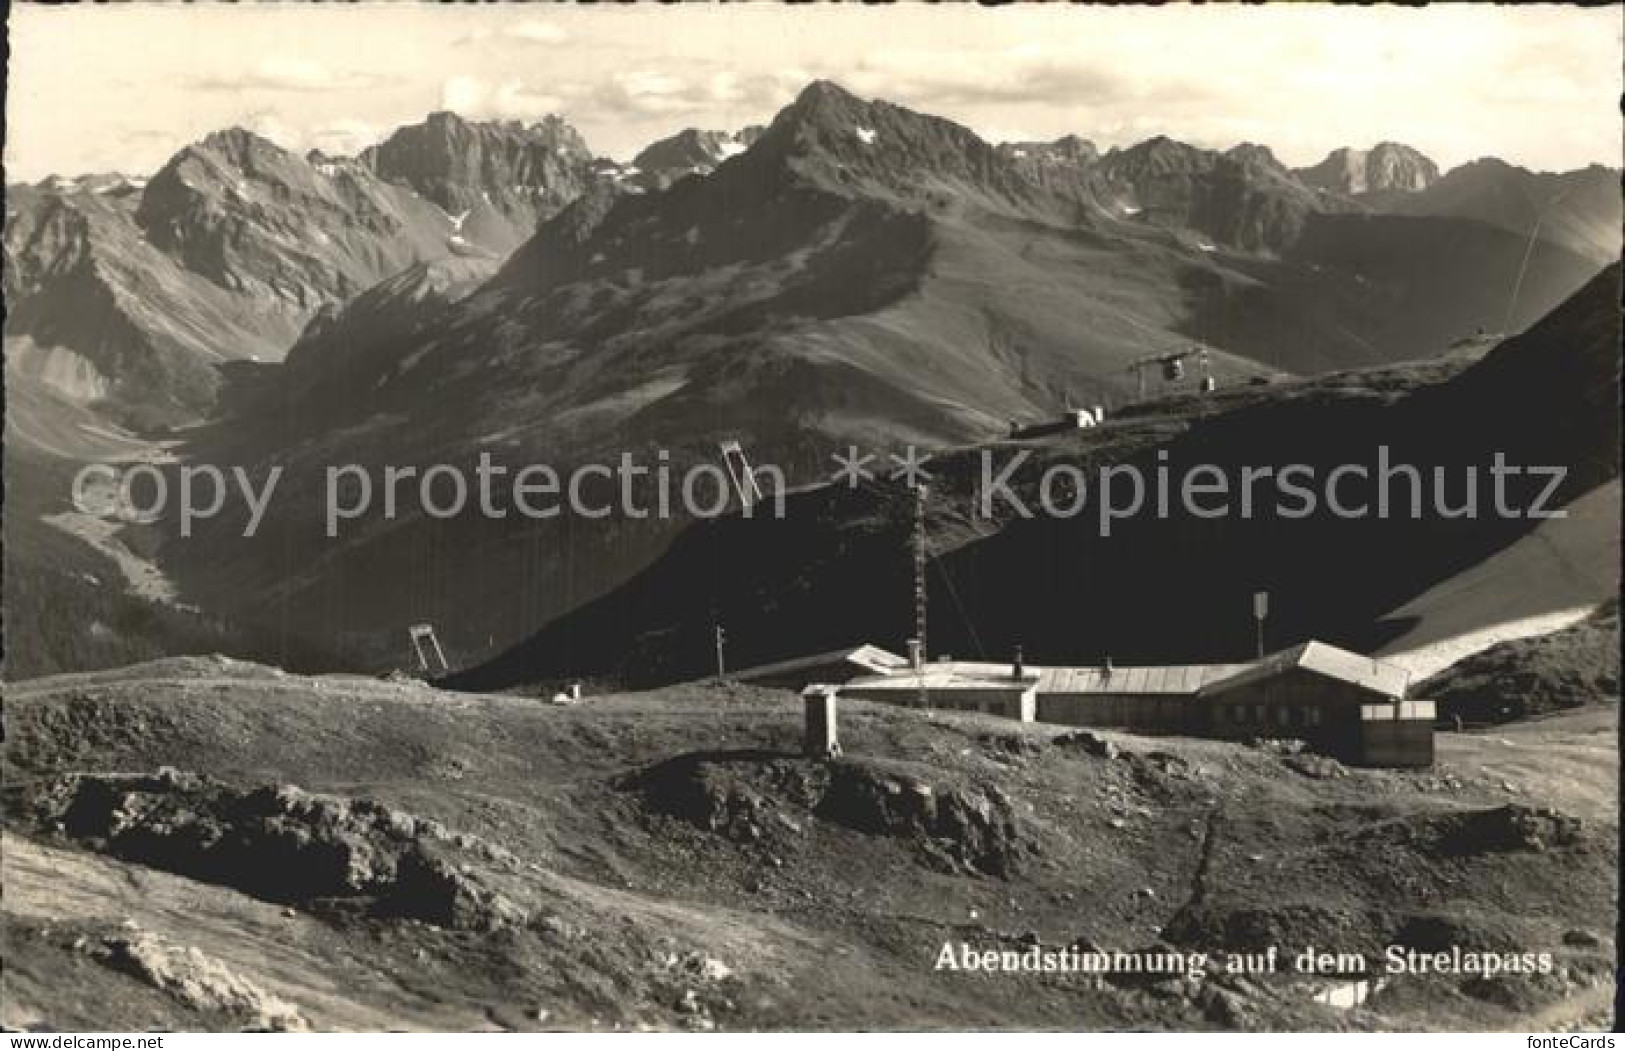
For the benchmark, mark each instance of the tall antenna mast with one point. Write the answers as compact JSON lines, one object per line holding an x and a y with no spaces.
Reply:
{"x":919,"y":588}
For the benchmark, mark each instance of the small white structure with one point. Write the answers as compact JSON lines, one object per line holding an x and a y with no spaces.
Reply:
{"x":741,"y":474}
{"x":821,"y":739}
{"x":425,"y":644}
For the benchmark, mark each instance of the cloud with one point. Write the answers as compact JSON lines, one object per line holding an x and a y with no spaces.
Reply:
{"x":1026,"y":74}
{"x":529,"y":31}
{"x":345,"y":137}
{"x":463,"y":94}
{"x":1457,"y":81}
{"x":471,"y":96}
{"x":340,"y":137}
{"x":963,"y":83}
{"x":774,"y":90}
{"x":269,"y":125}
{"x":643,"y":95}
{"x":283,"y":73}
{"x":538,"y":32}
{"x":648,"y":92}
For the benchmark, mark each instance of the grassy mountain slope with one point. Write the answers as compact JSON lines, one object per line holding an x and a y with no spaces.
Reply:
{"x":1580,"y":210}
{"x":1172,"y":588}
{"x":670,"y":861}
{"x":1527,"y":678}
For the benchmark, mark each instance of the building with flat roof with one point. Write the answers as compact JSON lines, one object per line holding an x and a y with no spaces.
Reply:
{"x":949,"y":686}
{"x":1339,"y":703}
{"x":1159,"y":699}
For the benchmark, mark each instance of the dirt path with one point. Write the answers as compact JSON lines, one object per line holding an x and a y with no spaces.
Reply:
{"x":67,"y":436}
{"x":1569,"y":760}
{"x":142,"y":577}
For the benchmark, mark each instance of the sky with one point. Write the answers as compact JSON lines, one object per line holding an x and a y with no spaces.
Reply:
{"x":121,"y":88}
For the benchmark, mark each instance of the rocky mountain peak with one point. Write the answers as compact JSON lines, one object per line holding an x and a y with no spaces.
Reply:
{"x":1256,"y":155}
{"x":848,"y":144}
{"x":457,"y":163}
{"x":560,"y":134}
{"x":1395,"y":166}
{"x":237,"y":142}
{"x":825,"y":95}
{"x":443,"y":119}
{"x":200,"y":184}
{"x":1068,"y":150}
{"x":236,"y":151}
{"x":1075,"y":146}
{"x":1386,"y":166}
{"x":692,"y":151}
{"x":825,"y":112}
{"x":1156,"y":156}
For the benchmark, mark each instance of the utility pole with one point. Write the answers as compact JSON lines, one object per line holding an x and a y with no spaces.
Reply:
{"x":919,"y":588}
{"x":722,"y":667}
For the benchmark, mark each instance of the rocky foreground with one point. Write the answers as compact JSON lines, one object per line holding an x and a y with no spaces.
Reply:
{"x":203,"y":843}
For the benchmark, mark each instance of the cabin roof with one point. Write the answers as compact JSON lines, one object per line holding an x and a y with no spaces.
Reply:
{"x":1390,"y":680}
{"x":869,"y":658}
{"x":950,"y":675}
{"x":1165,"y":679}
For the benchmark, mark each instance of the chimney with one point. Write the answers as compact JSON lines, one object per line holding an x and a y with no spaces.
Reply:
{"x":1019,"y":667}
{"x":916,"y":654}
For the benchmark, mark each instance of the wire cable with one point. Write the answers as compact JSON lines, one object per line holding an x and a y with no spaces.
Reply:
{"x":953,"y":593}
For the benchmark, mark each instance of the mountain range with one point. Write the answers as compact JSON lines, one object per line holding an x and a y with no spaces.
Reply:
{"x":855,"y":272}
{"x":140,"y":288}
